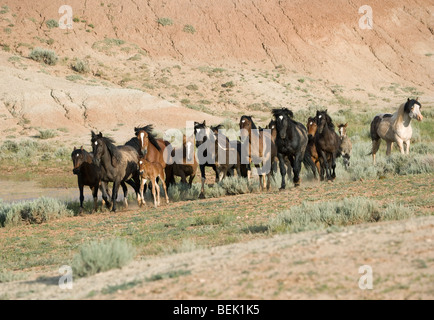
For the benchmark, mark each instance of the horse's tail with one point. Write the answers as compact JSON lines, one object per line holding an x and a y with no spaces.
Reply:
{"x":308,"y":162}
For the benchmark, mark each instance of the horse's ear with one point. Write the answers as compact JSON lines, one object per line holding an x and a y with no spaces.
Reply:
{"x":100,"y":135}
{"x":408,"y":99}
{"x":204,"y":122}
{"x":93,"y":134}
{"x":417,"y":99}
{"x":74,"y":148}
{"x":346,"y":124}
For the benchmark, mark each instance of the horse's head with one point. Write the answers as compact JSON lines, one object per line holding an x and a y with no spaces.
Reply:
{"x":322,"y":119}
{"x":143,"y":135}
{"x":97,"y":147}
{"x":142,"y":164}
{"x":201,"y":133}
{"x":412,"y":107}
{"x":343,"y":129}
{"x":246,"y":126}
{"x":311,"y":126}
{"x":78,"y":158}
{"x":188,"y":144}
{"x":282,"y":118}
{"x":272,"y":127}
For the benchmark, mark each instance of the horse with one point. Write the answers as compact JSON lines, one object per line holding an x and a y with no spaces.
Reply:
{"x":346,"y":145}
{"x":90,"y":175}
{"x":153,"y":151}
{"x":217,"y":144}
{"x":187,"y":167}
{"x":327,"y":143}
{"x":395,"y":127}
{"x":257,"y":151}
{"x":272,"y":126}
{"x":119,"y":163}
{"x":311,"y":131}
{"x":151,"y":171}
{"x":236,"y":144}
{"x":291,"y":141}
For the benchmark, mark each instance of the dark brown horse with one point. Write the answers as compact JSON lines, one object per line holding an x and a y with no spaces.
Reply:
{"x":261,"y":149}
{"x":90,"y":175}
{"x":327,"y":143}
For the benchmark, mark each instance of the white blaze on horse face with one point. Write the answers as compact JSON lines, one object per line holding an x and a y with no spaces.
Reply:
{"x":311,"y":123}
{"x":281,"y":117}
{"x":141,"y":162}
{"x":415,"y":113}
{"x":341,"y":131}
{"x":142,"y":134}
{"x":320,"y":116}
{"x":242,"y":121}
{"x":96,"y":143}
{"x":77,"y":155}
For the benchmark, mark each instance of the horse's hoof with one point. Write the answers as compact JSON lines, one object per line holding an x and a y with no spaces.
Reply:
{"x":201,"y":196}
{"x":282,"y":189}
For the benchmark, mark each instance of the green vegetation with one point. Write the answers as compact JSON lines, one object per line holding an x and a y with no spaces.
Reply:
{"x":32,"y":212}
{"x":100,"y":256}
{"x":165,"y":21}
{"x":188,"y":28}
{"x":349,"y":211}
{"x":52,"y":23}
{"x":47,"y":134}
{"x":49,"y":57}
{"x":80,"y":66}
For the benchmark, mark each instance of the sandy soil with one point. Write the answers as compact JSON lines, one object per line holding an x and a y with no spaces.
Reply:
{"x":313,"y":265}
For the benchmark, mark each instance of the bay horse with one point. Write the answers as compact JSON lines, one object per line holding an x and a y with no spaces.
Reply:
{"x":327,"y":143}
{"x":90,"y":175}
{"x":395,"y":127}
{"x":311,"y":131}
{"x":291,"y":141}
{"x":258,"y":153}
{"x":188,"y":165}
{"x":152,"y":171}
{"x":119,"y":164}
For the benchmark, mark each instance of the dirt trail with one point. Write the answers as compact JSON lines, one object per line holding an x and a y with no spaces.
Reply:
{"x":311,"y":265}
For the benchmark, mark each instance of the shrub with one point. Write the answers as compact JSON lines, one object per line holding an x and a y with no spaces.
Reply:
{"x":52,"y":23}
{"x":44,"y":55}
{"x":229,"y":84}
{"x":47,"y":134}
{"x":100,"y":256}
{"x":189,"y":29}
{"x":165,"y":21}
{"x":32,"y":212}
{"x":313,"y":216}
{"x":80,"y":66}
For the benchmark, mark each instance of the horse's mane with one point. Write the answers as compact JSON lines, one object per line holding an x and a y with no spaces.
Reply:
{"x":115,"y":154}
{"x":404,"y":108}
{"x":151,"y":136}
{"x":217,"y":127}
{"x":282,"y":112}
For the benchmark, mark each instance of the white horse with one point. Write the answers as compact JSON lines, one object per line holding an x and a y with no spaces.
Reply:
{"x":395,"y":127}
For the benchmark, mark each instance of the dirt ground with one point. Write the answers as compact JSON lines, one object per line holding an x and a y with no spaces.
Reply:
{"x":311,"y":265}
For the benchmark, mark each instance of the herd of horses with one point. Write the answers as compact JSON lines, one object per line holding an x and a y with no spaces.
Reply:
{"x":146,"y":159}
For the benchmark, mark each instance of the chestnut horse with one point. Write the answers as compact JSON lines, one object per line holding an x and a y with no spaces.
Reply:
{"x":150,"y":147}
{"x":311,"y":131}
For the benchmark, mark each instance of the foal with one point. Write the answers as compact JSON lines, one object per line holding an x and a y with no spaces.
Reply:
{"x":346,"y":145}
{"x":151,"y":171}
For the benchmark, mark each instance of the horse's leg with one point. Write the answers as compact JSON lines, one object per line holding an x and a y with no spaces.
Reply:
{"x":80,"y":187}
{"x":400,"y":144}
{"x":375,"y":147}
{"x":95,"y":197}
{"x":203,"y":178}
{"x":142,"y":187}
{"x":296,"y":169}
{"x":165,"y":191}
{"x":282,"y":170}
{"x":105,"y":194}
{"x":407,"y":147}
{"x":325,"y":164}
{"x":261,"y":185}
{"x":190,"y":180}
{"x":154,"y":189}
{"x":125,"y":189}
{"x":333,"y":166}
{"x":157,"y":188}
{"x":116,"y":185}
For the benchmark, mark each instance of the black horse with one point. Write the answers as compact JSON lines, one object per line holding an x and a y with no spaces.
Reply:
{"x":90,"y":175}
{"x":327,"y":143}
{"x":291,"y":141}
{"x":119,"y":163}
